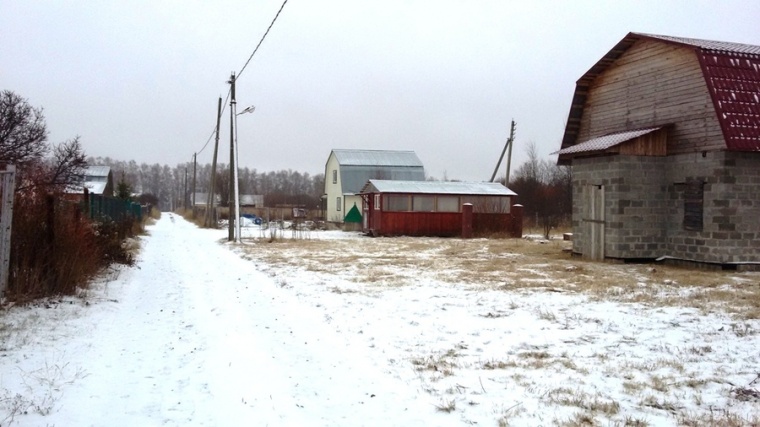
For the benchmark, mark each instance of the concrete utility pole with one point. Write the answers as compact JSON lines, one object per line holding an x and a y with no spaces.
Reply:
{"x":195,"y":162}
{"x":210,"y":217}
{"x":508,"y":145}
{"x":232,"y":215}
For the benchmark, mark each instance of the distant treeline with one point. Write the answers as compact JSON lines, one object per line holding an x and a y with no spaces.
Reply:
{"x":172,"y":187}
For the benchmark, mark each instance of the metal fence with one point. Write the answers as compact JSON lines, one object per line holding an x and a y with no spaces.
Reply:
{"x":99,"y":207}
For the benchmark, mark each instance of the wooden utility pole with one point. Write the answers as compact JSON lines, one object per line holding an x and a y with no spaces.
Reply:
{"x":7,"y":190}
{"x":508,"y":145}
{"x":210,"y":217}
{"x":195,"y":162}
{"x":184,"y":194}
{"x":231,"y":204}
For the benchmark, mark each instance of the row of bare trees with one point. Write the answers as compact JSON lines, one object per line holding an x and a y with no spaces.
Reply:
{"x":172,"y":187}
{"x":545,"y":190}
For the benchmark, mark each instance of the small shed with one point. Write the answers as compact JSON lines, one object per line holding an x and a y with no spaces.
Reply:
{"x":431,"y":208}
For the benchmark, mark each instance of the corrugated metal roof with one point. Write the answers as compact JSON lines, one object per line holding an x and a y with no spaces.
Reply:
{"x":352,"y":178}
{"x":377,"y":158}
{"x":607,"y":141}
{"x":732,"y":76}
{"x":438,"y":187}
{"x":711,"y":45}
{"x":97,"y":171}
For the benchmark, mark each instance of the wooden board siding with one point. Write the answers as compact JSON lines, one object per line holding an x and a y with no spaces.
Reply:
{"x":444,"y":224}
{"x":651,"y":144}
{"x":654,"y":84}
{"x":441,"y":224}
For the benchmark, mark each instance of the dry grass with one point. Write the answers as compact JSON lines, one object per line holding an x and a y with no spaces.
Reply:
{"x":520,"y":264}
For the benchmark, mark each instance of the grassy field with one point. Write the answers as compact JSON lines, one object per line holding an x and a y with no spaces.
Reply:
{"x":595,"y":343}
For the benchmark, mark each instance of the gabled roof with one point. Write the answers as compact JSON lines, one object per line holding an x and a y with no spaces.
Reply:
{"x":93,"y":171}
{"x":607,"y":141}
{"x":377,"y":158}
{"x":437,"y":187}
{"x":732,"y":76}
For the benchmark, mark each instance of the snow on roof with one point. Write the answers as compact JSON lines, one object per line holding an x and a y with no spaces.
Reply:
{"x":377,"y":158}
{"x":438,"y":187}
{"x":604,"y":142}
{"x":96,"y":187}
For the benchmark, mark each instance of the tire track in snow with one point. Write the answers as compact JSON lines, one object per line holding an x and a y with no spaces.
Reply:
{"x":201,"y":337}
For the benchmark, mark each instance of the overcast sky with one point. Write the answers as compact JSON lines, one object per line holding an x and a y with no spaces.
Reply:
{"x":139,"y":79}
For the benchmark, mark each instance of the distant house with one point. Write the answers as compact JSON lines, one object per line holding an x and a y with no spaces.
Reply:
{"x":97,"y":180}
{"x":252,"y":200}
{"x":663,"y":136}
{"x":201,"y":199}
{"x":430,"y":208}
{"x":346,"y":171}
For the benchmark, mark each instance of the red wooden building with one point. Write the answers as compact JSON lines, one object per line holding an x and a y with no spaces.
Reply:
{"x":429,"y":208}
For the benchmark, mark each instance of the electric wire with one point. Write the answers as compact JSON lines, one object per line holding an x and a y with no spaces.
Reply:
{"x":213,"y":131}
{"x":224,"y":104}
{"x":262,"y":40}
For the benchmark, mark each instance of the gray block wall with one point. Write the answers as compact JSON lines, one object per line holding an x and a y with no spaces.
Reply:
{"x":644,"y":206}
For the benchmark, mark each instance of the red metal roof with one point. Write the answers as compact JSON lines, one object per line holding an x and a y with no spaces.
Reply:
{"x":732,"y":76}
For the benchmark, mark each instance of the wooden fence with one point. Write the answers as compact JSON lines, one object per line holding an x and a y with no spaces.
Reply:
{"x":7,"y":187}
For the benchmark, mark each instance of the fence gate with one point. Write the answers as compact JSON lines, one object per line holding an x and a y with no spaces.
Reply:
{"x":593,"y":222}
{"x":7,"y":187}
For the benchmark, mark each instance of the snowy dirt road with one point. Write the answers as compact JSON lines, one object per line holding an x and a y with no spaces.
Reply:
{"x":194,"y":335}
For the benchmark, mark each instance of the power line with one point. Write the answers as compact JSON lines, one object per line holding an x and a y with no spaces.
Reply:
{"x":262,"y":39}
{"x":241,"y":72}
{"x":213,"y":131}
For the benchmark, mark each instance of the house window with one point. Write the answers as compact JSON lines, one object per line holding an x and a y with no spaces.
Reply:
{"x":396,"y":203}
{"x":377,"y":202}
{"x":693,"y":205}
{"x":337,"y":204}
{"x":448,"y":204}
{"x":423,"y":203}
{"x":335,"y":176}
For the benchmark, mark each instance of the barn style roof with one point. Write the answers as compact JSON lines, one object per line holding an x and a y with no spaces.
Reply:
{"x":732,"y":76}
{"x":357,"y":166}
{"x":95,"y":171}
{"x":377,"y":158}
{"x":437,"y":187}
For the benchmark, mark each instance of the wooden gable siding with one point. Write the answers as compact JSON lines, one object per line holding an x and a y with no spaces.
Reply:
{"x":654,"y":84}
{"x":651,"y":144}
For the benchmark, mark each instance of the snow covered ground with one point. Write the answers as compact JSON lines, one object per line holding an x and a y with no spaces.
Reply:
{"x":335,"y":329}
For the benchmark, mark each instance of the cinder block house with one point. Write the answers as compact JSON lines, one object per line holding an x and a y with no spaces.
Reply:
{"x":346,"y":171}
{"x":663,"y":136}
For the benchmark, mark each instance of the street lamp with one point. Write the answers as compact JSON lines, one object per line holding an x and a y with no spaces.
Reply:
{"x":238,"y":237}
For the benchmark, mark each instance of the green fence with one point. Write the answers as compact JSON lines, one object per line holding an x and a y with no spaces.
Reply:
{"x":100,"y":206}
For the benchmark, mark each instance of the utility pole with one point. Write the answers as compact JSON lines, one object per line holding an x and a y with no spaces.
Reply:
{"x":195,"y":162}
{"x":232,"y":215}
{"x":184,"y":195}
{"x":210,"y":217}
{"x":508,"y":145}
{"x":509,"y":155}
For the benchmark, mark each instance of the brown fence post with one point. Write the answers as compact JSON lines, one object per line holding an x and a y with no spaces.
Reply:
{"x":467,"y":221}
{"x":517,"y":220}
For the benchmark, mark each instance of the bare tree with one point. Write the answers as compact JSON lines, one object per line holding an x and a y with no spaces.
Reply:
{"x":23,"y":134}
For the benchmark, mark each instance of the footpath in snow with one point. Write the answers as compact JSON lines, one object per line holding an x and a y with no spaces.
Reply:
{"x":195,"y":335}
